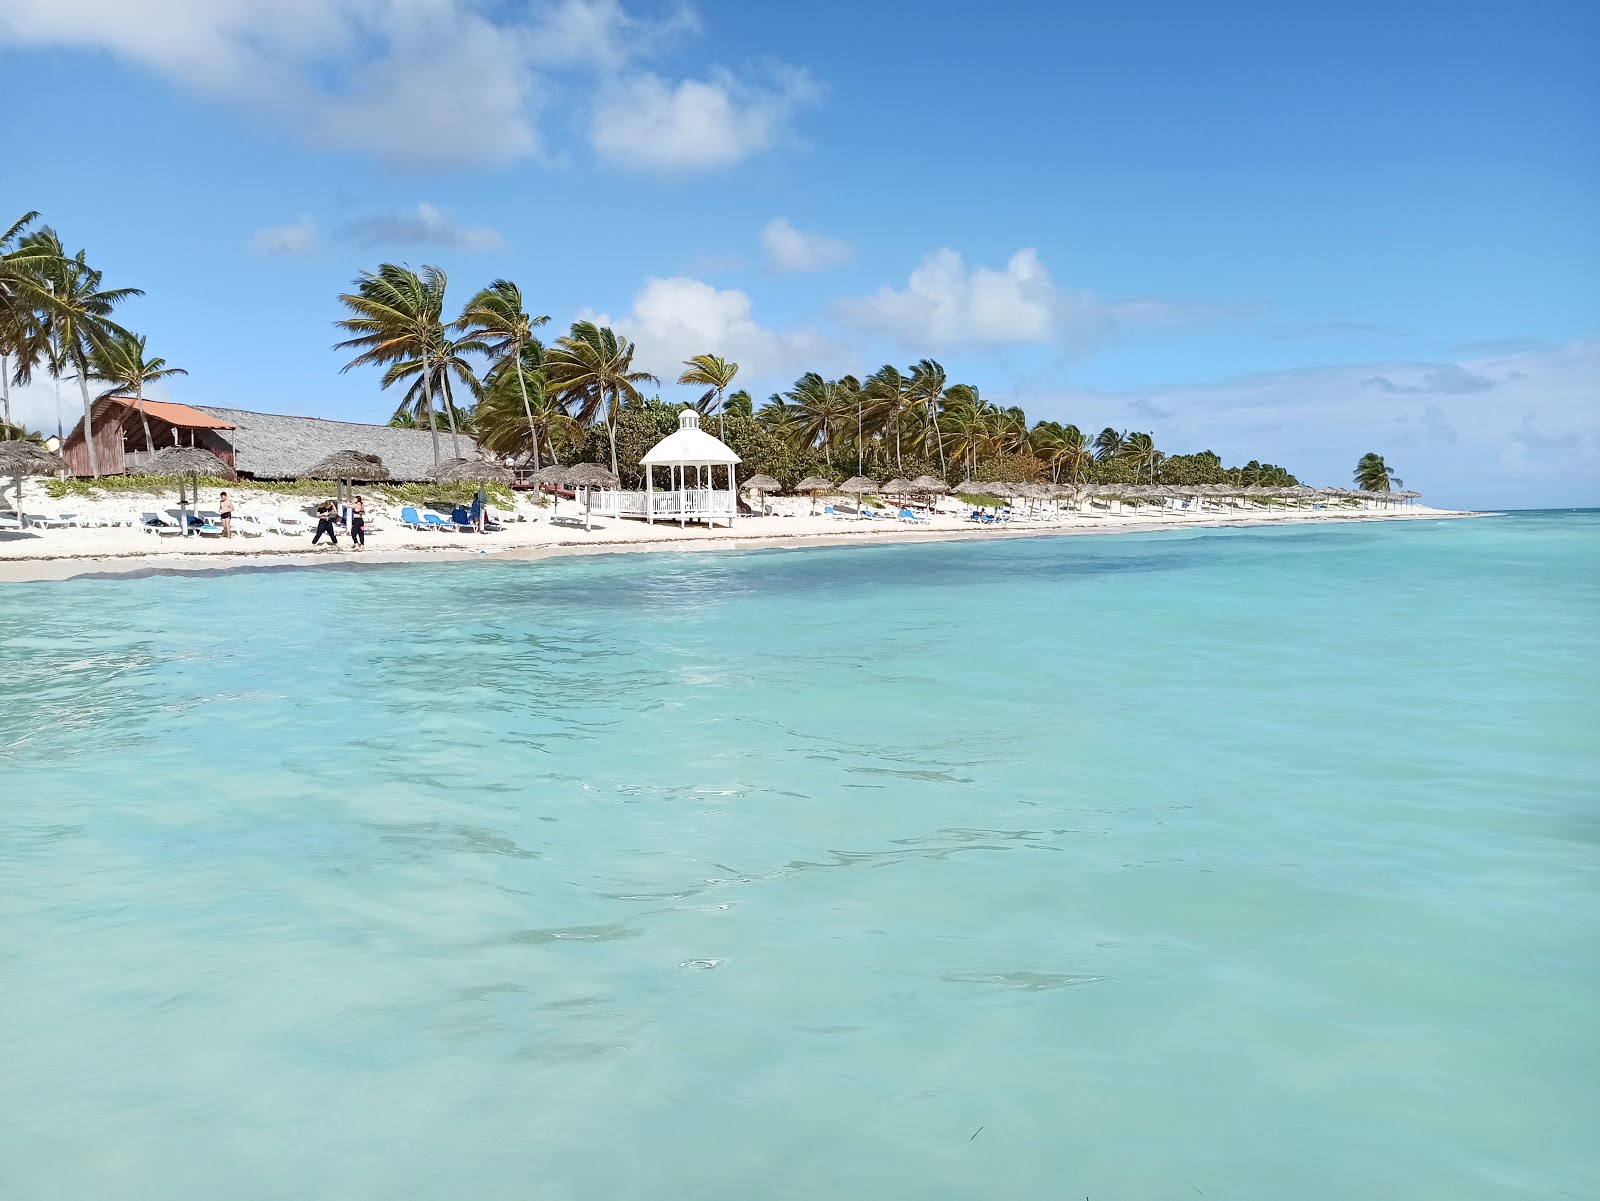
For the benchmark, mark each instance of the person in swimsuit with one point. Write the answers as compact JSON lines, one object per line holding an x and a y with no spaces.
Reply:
{"x":225,"y":510}
{"x":358,"y":524}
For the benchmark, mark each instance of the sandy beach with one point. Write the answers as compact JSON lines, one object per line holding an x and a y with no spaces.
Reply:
{"x":65,"y":553}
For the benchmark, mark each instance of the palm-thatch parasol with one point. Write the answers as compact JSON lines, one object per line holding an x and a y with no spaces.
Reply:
{"x":472,"y":471}
{"x":591,"y":477}
{"x":898,"y":487}
{"x":761,"y":485}
{"x":814,"y":484}
{"x":858,"y":486}
{"x":192,"y":462}
{"x":19,"y":458}
{"x":929,"y":486}
{"x":346,"y":467}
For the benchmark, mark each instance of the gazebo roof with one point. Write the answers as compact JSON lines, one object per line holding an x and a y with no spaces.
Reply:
{"x":689,"y":446}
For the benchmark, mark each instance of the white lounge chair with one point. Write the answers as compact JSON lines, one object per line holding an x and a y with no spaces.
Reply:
{"x":248,"y":525}
{"x":10,"y":521}
{"x":292,"y":523}
{"x":154,"y":523}
{"x":45,"y":522}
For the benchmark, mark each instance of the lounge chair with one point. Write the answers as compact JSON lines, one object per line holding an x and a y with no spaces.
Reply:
{"x":10,"y":521}
{"x":249,"y":525}
{"x":292,"y":523}
{"x":44,"y":522}
{"x":908,"y":515}
{"x":154,"y":523}
{"x":439,"y":523}
{"x":408,"y":517}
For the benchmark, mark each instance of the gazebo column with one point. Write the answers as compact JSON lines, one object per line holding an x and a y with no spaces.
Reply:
{"x":649,"y":496}
{"x":733,"y":495}
{"x":683,"y":519}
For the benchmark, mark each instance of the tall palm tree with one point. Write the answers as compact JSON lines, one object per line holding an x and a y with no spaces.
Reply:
{"x":969,"y":421}
{"x":21,"y":299}
{"x":1064,"y":448}
{"x":121,"y":362}
{"x":824,"y":407}
{"x":781,"y":419}
{"x":1140,"y":450}
{"x":1108,"y":444}
{"x":592,"y":368}
{"x":888,"y":396}
{"x":397,"y":315}
{"x":446,"y":359}
{"x":714,"y":373}
{"x":740,"y":404}
{"x":497,"y":319}
{"x":76,"y":321}
{"x":926,"y":387}
{"x":520,"y":417}
{"x":1372,"y":474}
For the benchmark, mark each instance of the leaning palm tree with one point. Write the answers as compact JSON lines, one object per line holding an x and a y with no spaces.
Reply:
{"x":396,"y":315}
{"x":76,"y":320}
{"x":497,"y":319}
{"x":1108,"y":444}
{"x":121,"y":362}
{"x":824,"y":407}
{"x":740,"y":404}
{"x":713,"y":373}
{"x":446,"y":359}
{"x":926,"y":387}
{"x":888,"y":398}
{"x":592,"y":368}
{"x":518,"y":418}
{"x":1372,"y":474}
{"x":1140,"y":450}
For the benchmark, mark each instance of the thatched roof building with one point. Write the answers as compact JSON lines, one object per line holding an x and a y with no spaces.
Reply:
{"x":279,"y":447}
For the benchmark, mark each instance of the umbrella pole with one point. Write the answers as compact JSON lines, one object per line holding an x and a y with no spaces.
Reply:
{"x":588,"y":509}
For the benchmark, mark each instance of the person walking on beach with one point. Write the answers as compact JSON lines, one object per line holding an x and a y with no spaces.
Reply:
{"x":325,"y":514}
{"x":225,"y":510}
{"x":358,"y":524}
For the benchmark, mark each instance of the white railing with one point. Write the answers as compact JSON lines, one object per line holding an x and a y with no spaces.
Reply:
{"x":697,"y":503}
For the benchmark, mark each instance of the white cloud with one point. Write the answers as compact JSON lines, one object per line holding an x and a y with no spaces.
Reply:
{"x":427,"y":225}
{"x":428,"y":83}
{"x":675,"y":319}
{"x":1525,"y":434}
{"x":791,"y":249}
{"x":696,"y":125}
{"x":945,"y":306}
{"x":298,"y":241}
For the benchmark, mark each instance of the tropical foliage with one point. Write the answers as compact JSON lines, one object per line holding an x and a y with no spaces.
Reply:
{"x":1373,"y":475}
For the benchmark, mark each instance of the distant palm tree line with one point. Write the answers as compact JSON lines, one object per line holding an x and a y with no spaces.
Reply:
{"x":535,"y":403}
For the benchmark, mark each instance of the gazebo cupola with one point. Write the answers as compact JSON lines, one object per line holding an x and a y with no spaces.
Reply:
{"x":689,"y":454}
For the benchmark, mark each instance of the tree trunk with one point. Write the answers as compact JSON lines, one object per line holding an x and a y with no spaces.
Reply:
{"x":5,"y":383}
{"x":611,"y":431}
{"x":88,"y":420}
{"x":427,"y":391}
{"x":143,"y":420}
{"x":527,"y":409}
{"x":450,"y":412}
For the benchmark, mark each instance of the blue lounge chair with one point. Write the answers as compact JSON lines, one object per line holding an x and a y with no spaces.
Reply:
{"x":408,"y":517}
{"x":439,"y":523}
{"x":908,"y":515}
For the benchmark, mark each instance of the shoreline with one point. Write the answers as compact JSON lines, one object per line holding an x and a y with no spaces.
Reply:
{"x":140,"y":565}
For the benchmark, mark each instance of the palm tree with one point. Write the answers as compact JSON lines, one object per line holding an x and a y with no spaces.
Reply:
{"x":76,"y":321}
{"x":713,"y":373}
{"x":21,"y":298}
{"x":121,"y":362}
{"x":1140,"y":450}
{"x":518,"y":417}
{"x":592,"y":367}
{"x":447,"y":358}
{"x":1108,"y":444}
{"x":495,"y":317}
{"x":397,"y":316}
{"x":740,"y":404}
{"x":969,"y":421}
{"x":888,"y":398}
{"x":1372,"y":474}
{"x":926,"y":387}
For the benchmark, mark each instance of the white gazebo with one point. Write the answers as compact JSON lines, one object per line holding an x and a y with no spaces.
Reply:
{"x":689,"y":454}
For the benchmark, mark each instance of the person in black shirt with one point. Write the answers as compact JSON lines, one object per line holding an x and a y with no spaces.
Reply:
{"x":325,"y":515}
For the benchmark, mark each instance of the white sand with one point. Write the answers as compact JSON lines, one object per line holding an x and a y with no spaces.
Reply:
{"x":63,"y":553}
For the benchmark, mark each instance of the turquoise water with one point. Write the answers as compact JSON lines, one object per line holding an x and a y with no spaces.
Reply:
{"x":1239,"y":864}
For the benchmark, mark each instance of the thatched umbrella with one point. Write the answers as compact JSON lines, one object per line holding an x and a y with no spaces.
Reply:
{"x":589,"y":477}
{"x":192,"y":462}
{"x":761,"y":485}
{"x":929,"y":486}
{"x":19,"y":458}
{"x":898,"y":487}
{"x":345,"y":467}
{"x":858,"y":486}
{"x":814,"y":484}
{"x":472,"y":471}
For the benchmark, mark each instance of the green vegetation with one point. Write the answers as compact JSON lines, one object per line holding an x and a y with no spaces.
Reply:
{"x":1372,"y":474}
{"x":407,"y":494}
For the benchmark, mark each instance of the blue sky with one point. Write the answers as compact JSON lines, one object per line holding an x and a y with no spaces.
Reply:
{"x":1281,"y":231}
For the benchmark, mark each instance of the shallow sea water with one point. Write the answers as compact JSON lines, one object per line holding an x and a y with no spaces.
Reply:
{"x":1234,"y":864}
